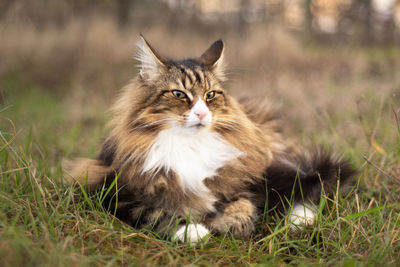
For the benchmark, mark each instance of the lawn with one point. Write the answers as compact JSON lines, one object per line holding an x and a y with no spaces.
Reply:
{"x":55,"y":92}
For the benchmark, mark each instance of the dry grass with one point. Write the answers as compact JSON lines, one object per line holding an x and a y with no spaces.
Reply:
{"x":57,"y":83}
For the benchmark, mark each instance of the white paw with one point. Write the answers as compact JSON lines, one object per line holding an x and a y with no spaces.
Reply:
{"x":300,"y":216}
{"x":193,"y":233}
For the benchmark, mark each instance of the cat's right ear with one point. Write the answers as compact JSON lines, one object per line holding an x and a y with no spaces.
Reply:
{"x":213,"y":58}
{"x":151,"y":63}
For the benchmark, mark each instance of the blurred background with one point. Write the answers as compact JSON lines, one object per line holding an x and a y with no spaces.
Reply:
{"x":331,"y":66}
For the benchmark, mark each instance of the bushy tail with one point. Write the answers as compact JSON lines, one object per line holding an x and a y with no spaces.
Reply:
{"x":87,"y":172}
{"x":304,"y":177}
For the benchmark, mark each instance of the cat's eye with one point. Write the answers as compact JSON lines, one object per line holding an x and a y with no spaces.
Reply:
{"x":179,"y":94}
{"x":210,"y":95}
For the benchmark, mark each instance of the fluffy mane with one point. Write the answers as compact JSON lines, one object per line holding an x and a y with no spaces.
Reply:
{"x":180,"y":144}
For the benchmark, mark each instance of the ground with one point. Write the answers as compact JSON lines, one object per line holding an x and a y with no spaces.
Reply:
{"x":56,"y":88}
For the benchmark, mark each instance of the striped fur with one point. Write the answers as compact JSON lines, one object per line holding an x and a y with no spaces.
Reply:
{"x":215,"y":167}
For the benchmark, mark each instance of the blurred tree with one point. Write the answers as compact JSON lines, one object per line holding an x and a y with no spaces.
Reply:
{"x":309,"y":17}
{"x":367,"y":33}
{"x":368,"y":21}
{"x":123,"y":12}
{"x":5,"y":5}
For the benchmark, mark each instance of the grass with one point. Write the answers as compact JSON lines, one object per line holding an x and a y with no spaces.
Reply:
{"x":347,"y":99}
{"x":45,"y":222}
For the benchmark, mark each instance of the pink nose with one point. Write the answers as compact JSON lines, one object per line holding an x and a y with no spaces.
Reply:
{"x":201,"y":114}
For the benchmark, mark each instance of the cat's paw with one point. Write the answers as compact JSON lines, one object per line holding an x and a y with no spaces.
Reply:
{"x":301,"y":216}
{"x":242,"y":228}
{"x":237,"y":218}
{"x":191,"y":233}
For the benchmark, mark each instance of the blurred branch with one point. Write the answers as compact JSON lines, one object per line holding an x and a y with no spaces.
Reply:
{"x":5,"y":5}
{"x":330,"y":20}
{"x":123,"y":11}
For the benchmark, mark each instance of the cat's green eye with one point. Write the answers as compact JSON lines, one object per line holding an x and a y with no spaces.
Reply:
{"x":210,"y":95}
{"x":179,"y":94}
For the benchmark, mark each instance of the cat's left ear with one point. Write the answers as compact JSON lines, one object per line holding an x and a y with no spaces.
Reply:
{"x":213,"y":58}
{"x":151,"y":63}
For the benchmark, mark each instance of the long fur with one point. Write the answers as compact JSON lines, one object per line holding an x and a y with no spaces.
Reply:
{"x":193,"y":155}
{"x":188,"y":153}
{"x":303,"y":178}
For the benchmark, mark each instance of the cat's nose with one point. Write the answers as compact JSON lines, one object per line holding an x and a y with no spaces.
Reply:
{"x":201,"y":114}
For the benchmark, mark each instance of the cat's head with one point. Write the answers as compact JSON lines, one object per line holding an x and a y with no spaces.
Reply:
{"x":186,"y":93}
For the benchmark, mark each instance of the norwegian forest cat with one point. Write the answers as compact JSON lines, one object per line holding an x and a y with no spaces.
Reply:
{"x":189,"y":159}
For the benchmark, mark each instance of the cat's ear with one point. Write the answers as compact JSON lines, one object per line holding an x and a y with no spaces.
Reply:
{"x":151,"y":63}
{"x":213,"y":58}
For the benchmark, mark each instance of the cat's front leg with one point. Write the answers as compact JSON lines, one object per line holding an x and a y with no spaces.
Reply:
{"x":302,"y":214}
{"x":236,"y":217}
{"x":175,"y":227}
{"x":191,"y":233}
{"x":184,"y":231}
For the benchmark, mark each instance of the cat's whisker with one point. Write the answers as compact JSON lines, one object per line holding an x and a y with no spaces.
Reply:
{"x":150,"y":124}
{"x":228,"y":125}
{"x":229,"y":121}
{"x":171,"y":173}
{"x":226,"y":119}
{"x":150,"y":116}
{"x":145,"y":125}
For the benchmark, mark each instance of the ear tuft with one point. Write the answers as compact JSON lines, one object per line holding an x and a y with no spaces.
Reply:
{"x":213,"y":58}
{"x":150,"y":61}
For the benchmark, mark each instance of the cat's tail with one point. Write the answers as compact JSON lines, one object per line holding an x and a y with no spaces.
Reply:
{"x":304,"y":177}
{"x":89,"y":173}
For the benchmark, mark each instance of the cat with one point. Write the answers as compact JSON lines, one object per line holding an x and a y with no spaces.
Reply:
{"x":187,"y":160}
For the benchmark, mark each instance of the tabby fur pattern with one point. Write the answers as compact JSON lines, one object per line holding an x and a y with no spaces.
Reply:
{"x":189,"y":156}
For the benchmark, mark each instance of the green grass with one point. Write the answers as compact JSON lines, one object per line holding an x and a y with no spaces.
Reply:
{"x":44,"y":221}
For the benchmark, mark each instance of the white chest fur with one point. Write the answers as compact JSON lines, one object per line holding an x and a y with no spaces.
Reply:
{"x":192,"y":154}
